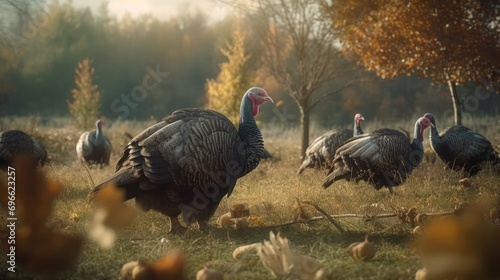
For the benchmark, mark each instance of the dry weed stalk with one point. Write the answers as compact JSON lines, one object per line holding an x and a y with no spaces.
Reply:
{"x":277,"y":256}
{"x":327,"y":216}
{"x":298,"y":212}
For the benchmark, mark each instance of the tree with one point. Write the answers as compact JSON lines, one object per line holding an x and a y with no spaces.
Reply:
{"x":86,"y":104}
{"x":225,"y":92}
{"x":17,"y":12}
{"x":8,"y":63}
{"x":15,"y":16}
{"x":299,"y":51}
{"x":450,"y":42}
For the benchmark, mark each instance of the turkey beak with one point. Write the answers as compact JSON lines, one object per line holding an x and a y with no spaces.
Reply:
{"x":432,"y":125}
{"x":267,"y":98}
{"x":362,"y":118}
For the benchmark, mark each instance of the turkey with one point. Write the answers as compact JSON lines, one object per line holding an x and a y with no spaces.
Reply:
{"x":188,"y":162}
{"x":461,"y":148}
{"x":94,"y":147}
{"x":14,"y":143}
{"x":384,"y":157}
{"x":322,"y":150}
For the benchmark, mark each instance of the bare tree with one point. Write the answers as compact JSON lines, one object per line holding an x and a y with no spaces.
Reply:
{"x":14,"y":15}
{"x":299,"y":51}
{"x":17,"y":12}
{"x":19,"y":21}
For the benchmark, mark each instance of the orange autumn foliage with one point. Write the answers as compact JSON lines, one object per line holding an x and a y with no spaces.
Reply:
{"x":38,"y":248}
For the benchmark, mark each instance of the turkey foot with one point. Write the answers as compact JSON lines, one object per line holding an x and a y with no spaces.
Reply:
{"x":176,"y":227}
{"x":205,"y":227}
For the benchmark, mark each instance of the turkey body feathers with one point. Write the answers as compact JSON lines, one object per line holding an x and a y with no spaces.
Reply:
{"x":322,"y":151}
{"x":178,"y":149}
{"x":190,"y":160}
{"x":191,"y":150}
{"x":461,"y":148}
{"x":384,"y":157}
{"x":15,"y":143}
{"x":94,"y":147}
{"x":93,"y":151}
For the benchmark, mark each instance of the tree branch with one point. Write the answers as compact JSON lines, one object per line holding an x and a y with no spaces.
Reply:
{"x":328,"y":94}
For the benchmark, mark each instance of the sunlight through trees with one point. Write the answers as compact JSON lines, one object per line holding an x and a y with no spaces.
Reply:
{"x":450,"y":42}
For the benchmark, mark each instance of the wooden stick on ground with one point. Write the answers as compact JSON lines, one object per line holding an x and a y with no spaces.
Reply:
{"x":364,"y":216}
{"x":327,"y":216}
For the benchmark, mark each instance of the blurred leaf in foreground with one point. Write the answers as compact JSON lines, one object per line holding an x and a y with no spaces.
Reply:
{"x":38,"y":248}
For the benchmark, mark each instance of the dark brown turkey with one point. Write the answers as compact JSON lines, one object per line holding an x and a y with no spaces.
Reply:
{"x":94,"y":147}
{"x":188,"y":162}
{"x":381,"y":158}
{"x":322,"y":150}
{"x":15,"y":143}
{"x":461,"y":148}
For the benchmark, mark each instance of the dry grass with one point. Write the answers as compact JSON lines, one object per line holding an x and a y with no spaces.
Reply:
{"x":430,"y":189}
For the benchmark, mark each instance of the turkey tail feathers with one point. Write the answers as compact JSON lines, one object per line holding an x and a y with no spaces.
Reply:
{"x":123,"y":179}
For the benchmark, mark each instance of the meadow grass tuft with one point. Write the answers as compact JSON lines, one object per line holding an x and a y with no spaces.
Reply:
{"x":431,"y":188}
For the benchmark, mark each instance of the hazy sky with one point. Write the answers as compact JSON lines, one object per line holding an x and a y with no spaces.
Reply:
{"x":163,"y":9}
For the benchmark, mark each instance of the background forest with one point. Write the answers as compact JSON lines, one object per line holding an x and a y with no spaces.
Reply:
{"x":62,"y":66}
{"x":38,"y":56}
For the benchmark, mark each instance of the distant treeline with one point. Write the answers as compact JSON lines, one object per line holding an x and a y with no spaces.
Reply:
{"x":146,"y":68}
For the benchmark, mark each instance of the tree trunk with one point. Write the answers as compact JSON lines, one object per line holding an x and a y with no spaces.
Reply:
{"x":456,"y":102}
{"x":304,"y":124}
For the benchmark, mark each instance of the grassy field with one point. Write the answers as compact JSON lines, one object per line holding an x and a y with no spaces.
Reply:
{"x":431,"y":188}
